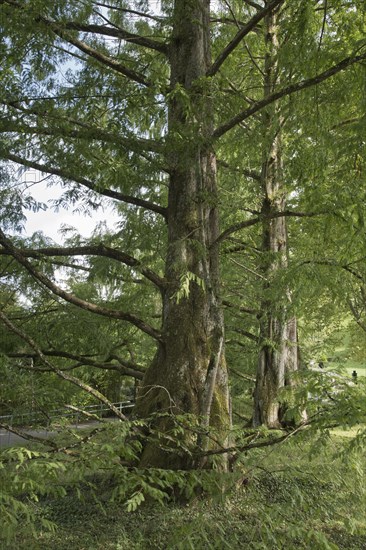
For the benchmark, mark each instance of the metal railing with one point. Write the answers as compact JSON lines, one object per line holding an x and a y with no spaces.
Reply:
{"x":44,"y":418}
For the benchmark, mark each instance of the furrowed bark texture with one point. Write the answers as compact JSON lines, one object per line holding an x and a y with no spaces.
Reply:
{"x":278,"y":354}
{"x":188,"y":374}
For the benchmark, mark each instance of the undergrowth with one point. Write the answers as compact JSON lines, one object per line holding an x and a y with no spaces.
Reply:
{"x":299,"y":494}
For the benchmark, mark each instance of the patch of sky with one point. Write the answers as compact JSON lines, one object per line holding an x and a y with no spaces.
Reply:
{"x":52,"y":221}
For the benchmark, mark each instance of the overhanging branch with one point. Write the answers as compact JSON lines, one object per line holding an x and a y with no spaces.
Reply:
{"x":97,"y":250}
{"x":118,"y":32}
{"x":102,"y":58}
{"x":66,"y":126}
{"x":110,"y":193}
{"x":71,"y":298}
{"x":33,"y":345}
{"x":334,"y":263}
{"x":288,"y":90}
{"x":59,"y":30}
{"x":246,"y":29}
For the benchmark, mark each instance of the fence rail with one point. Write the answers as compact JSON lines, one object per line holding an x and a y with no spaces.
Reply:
{"x":44,"y":418}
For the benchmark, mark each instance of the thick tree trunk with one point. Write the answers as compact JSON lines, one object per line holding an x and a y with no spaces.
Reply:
{"x":188,"y":374}
{"x":278,"y":355}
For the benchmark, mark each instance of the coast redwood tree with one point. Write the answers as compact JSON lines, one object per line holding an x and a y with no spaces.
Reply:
{"x":112,"y":101}
{"x":135,"y":118}
{"x":189,"y":373}
{"x":278,"y":354}
{"x":264,"y":165}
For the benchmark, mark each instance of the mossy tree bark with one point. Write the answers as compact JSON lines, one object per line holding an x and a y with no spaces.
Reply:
{"x":188,"y":374}
{"x":279,"y":353}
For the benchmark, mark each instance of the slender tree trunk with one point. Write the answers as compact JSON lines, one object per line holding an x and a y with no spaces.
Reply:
{"x":188,"y":374}
{"x":278,"y":355}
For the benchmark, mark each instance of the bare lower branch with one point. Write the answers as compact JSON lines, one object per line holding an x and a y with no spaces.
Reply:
{"x":29,"y":437}
{"x":258,"y":445}
{"x":88,"y":415}
{"x":246,"y":268}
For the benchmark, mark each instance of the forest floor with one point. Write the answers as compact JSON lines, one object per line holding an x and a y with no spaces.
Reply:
{"x":297,"y":495}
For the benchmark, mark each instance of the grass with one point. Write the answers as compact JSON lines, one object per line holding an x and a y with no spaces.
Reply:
{"x":295,"y":496}
{"x":351,"y":351}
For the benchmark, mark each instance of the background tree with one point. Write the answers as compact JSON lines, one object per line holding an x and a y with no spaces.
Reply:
{"x":278,"y":64}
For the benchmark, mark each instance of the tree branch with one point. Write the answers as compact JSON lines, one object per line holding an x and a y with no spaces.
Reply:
{"x":241,"y":34}
{"x":116,"y":33}
{"x":288,"y":90}
{"x":237,"y":227}
{"x":102,"y":58}
{"x":96,"y":250}
{"x":157,"y":18}
{"x":357,"y":316}
{"x":241,"y":375}
{"x":258,"y":445}
{"x":32,"y":344}
{"x":116,"y":195}
{"x":88,"y":130}
{"x":247,"y":173}
{"x":254,"y":4}
{"x":240,"y":308}
{"x":247,"y":334}
{"x":57,"y":29}
{"x":257,"y":219}
{"x":334,"y":263}
{"x":71,"y":298}
{"x":29,"y":437}
{"x":124,"y":367}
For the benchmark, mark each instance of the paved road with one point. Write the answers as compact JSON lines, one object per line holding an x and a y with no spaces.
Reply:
{"x":9,"y":439}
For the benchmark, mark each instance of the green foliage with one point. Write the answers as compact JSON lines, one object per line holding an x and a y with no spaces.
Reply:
{"x":283,"y":498}
{"x":110,"y":452}
{"x":185,"y":281}
{"x":97,"y":132}
{"x":25,"y":476}
{"x":13,"y":200}
{"x":180,"y":95}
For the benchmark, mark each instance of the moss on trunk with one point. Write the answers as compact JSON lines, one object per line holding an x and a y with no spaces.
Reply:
{"x":188,"y":374}
{"x":278,"y":354}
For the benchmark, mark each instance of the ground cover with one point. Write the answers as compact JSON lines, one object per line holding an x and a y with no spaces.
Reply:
{"x":299,"y":495}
